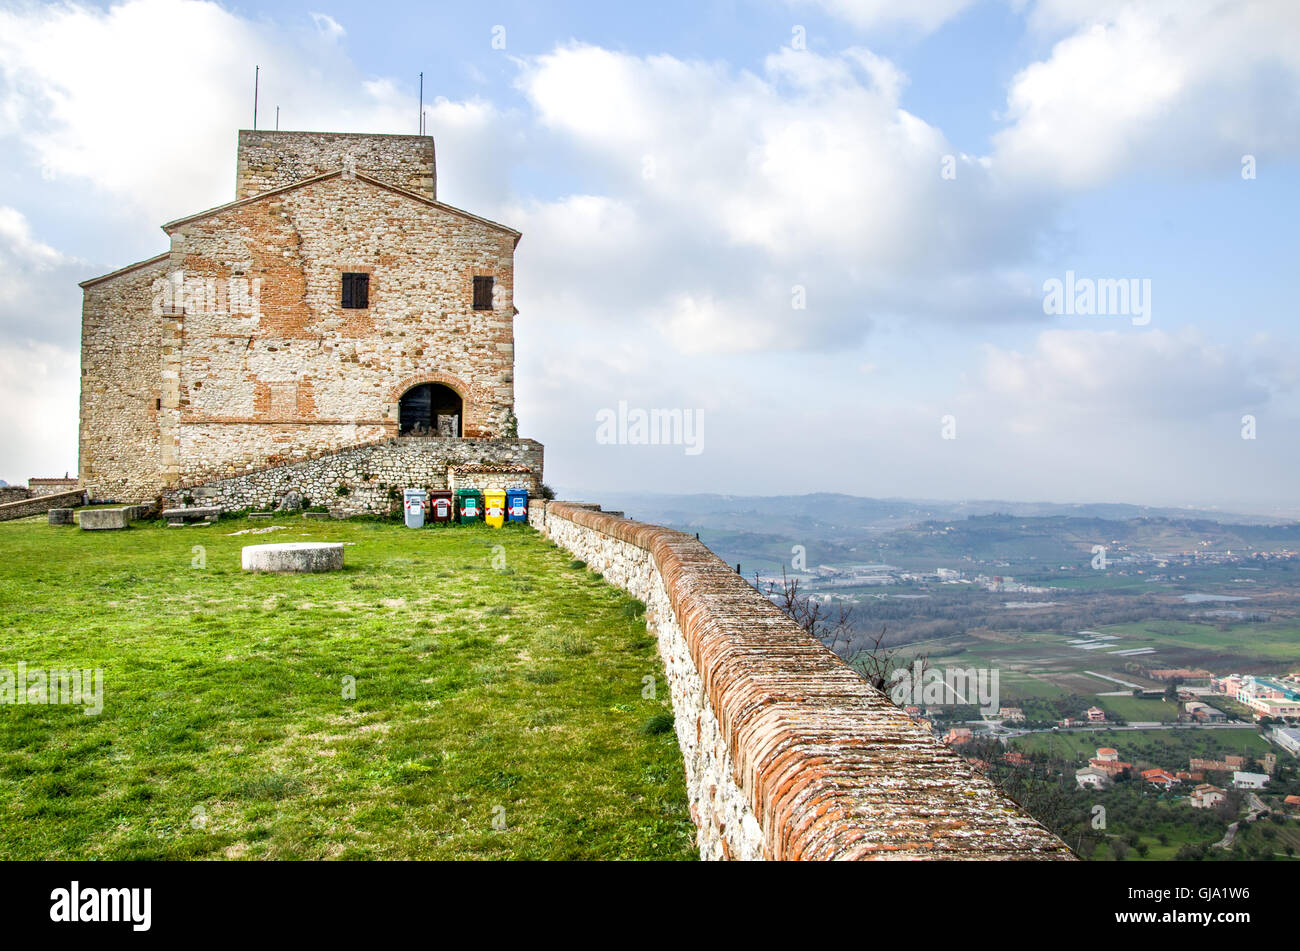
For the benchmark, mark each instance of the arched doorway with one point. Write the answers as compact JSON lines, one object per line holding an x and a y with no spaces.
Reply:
{"x":430,"y":409}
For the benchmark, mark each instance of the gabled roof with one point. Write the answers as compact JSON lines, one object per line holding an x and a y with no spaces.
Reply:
{"x":122,"y":270}
{"x":171,"y":226}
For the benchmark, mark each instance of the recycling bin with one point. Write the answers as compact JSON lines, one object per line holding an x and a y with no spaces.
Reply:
{"x":517,"y":505}
{"x":441,"y":507}
{"x":469,"y":505}
{"x":413,"y":505}
{"x":494,"y":507}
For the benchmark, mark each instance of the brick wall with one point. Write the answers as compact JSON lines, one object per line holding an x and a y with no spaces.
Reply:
{"x":367,"y":472}
{"x":180,"y":389}
{"x":306,"y":373}
{"x":789,"y":754}
{"x":267,"y":160}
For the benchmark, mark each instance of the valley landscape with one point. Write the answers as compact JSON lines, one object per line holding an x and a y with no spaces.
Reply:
{"x":1129,"y":612}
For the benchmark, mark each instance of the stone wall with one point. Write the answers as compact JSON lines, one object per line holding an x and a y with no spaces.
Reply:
{"x":37,"y":505}
{"x":13,"y":493}
{"x":369,"y":474}
{"x":495,"y":477}
{"x":789,"y":754}
{"x":51,"y":486}
{"x":232,"y":352}
{"x":120,"y":451}
{"x":267,"y":160}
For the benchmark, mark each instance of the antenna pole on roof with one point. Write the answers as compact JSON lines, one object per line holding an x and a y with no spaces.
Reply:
{"x":421,"y":126}
{"x":256,"y":75}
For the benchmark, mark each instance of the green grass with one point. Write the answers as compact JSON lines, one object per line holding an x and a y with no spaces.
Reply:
{"x":1140,"y":709}
{"x":497,"y":713}
{"x":1170,"y":749}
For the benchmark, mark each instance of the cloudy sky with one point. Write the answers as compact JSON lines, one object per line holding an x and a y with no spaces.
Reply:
{"x":827,"y":226}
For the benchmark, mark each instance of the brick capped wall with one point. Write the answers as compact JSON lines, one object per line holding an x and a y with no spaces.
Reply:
{"x":267,"y":160}
{"x":51,"y":486}
{"x":789,"y":754}
{"x":484,"y":477}
{"x":368,"y":473}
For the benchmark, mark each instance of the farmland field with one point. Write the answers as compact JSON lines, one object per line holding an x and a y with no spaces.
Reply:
{"x":1045,"y":664}
{"x":1170,"y":749}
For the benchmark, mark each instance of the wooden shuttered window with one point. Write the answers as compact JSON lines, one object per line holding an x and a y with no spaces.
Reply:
{"x":483,"y":293}
{"x":356,"y":291}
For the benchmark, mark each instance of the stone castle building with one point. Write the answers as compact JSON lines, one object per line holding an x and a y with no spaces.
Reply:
{"x":335,"y":302}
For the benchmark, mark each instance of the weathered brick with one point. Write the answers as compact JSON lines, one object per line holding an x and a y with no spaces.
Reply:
{"x":789,"y":753}
{"x":256,"y":362}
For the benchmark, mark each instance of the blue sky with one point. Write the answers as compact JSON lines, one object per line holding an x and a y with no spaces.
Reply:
{"x":678,"y":170}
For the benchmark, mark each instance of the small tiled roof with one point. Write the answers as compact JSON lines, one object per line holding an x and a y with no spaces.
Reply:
{"x":490,"y":468}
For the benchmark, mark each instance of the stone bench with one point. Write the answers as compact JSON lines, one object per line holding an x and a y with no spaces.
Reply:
{"x":103,"y":520}
{"x":181,"y":516}
{"x":61,"y":517}
{"x":293,"y":556}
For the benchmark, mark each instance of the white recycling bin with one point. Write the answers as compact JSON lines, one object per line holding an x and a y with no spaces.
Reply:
{"x":413,"y":505}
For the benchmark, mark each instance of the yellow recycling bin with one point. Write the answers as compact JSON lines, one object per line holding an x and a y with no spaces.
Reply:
{"x":494,"y":507}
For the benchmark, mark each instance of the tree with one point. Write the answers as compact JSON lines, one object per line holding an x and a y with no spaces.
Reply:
{"x":875,"y":663}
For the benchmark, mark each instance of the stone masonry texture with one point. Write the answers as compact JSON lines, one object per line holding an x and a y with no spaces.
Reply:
{"x":266,"y":160}
{"x":39,"y":504}
{"x":366,"y":479}
{"x":789,"y":754}
{"x":232,"y":351}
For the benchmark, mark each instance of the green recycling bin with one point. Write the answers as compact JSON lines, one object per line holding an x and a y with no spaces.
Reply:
{"x":469,"y":505}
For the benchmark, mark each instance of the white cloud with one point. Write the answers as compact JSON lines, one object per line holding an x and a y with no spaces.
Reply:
{"x":38,"y":296}
{"x":141,"y":101}
{"x":328,"y":26}
{"x":923,"y":15}
{"x":731,"y":188}
{"x":38,"y":429}
{"x":1154,"y":374}
{"x":708,"y":193}
{"x":1154,"y":84}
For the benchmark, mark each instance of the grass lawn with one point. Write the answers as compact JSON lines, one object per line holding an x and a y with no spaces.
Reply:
{"x":498,"y":708}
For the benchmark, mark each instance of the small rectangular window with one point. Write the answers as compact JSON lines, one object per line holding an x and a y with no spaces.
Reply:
{"x":483,"y":293}
{"x":356,"y":291}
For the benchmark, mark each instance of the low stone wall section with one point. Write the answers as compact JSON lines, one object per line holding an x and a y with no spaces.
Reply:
{"x":363,"y":479}
{"x":40,"y":504}
{"x":789,"y":754}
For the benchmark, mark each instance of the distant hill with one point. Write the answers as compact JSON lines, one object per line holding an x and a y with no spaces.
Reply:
{"x":830,"y":509}
{"x":759,"y":531}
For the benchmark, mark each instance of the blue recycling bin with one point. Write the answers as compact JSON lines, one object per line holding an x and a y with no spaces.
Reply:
{"x":517,"y":505}
{"x":413,"y":505}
